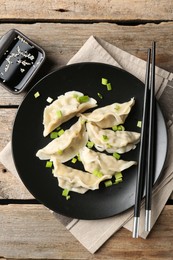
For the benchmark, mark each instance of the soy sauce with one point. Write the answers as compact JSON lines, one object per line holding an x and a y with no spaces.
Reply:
{"x":18,"y":63}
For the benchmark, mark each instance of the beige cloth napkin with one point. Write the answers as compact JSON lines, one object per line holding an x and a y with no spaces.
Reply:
{"x":93,"y":233}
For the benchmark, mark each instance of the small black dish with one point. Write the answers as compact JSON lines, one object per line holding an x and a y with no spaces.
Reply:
{"x":20,"y":59}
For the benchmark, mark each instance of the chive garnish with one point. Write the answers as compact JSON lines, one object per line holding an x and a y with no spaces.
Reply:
{"x":118,"y":128}
{"x":48,"y":164}
{"x":78,"y":157}
{"x":98,"y":173}
{"x":109,"y":87}
{"x":60,"y":132}
{"x":116,"y":155}
{"x":117,"y":107}
{"x":118,"y":177}
{"x":104,"y":81}
{"x":105,"y":138}
{"x":59,"y":152}
{"x":100,"y":95}
{"x":75,"y":96}
{"x":118,"y":181}
{"x":139,"y":124}
{"x":53,"y":135}
{"x":83,"y":99}
{"x":90,"y":144}
{"x":74,"y":160}
{"x":115,"y":128}
{"x":65,"y":193}
{"x":59,"y":113}
{"x":108,"y":183}
{"x":37,"y":94}
{"x":121,"y":128}
{"x":109,"y":145}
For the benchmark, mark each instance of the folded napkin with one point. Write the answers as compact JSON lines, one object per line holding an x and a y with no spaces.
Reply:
{"x":93,"y":233}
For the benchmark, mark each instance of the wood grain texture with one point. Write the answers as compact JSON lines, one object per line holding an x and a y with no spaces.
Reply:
{"x":6,"y":123}
{"x":89,"y":10}
{"x":11,"y":187}
{"x":32,"y":232}
{"x":62,"y":41}
{"x":61,"y":27}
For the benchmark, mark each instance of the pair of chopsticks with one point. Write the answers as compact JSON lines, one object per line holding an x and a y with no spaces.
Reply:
{"x":146,"y":154}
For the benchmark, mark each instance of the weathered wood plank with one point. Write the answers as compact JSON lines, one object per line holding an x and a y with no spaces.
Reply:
{"x":11,"y":187}
{"x":50,"y":237}
{"x":6,"y":124}
{"x":70,"y":10}
{"x":62,"y":41}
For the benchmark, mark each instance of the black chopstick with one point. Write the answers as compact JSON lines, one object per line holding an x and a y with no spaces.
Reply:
{"x":142,"y":152}
{"x":150,"y":154}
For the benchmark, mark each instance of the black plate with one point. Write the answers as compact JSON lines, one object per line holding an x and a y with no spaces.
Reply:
{"x":28,"y":137}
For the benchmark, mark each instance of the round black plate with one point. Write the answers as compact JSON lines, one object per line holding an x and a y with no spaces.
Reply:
{"x":28,"y":137}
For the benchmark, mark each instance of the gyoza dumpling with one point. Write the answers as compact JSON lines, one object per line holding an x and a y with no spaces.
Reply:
{"x":106,"y":164}
{"x":106,"y":139}
{"x":67,"y":145}
{"x":76,"y":180}
{"x":108,"y":116}
{"x":64,"y":108}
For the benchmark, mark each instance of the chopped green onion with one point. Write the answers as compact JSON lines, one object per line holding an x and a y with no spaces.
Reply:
{"x":118,"y":128}
{"x":78,"y":157}
{"x":118,"y":175}
{"x":82,"y":121}
{"x":118,"y":181}
{"x":90,"y":144}
{"x":59,"y":113}
{"x":74,"y":160}
{"x":53,"y":135}
{"x":83,"y":99}
{"x":65,"y":193}
{"x":75,"y":96}
{"x":53,"y":171}
{"x":105,"y":138}
{"x":48,"y":164}
{"x":109,"y":87}
{"x":115,"y":128}
{"x":108,"y":183}
{"x":121,"y":128}
{"x":116,"y":155}
{"x":59,"y":152}
{"x":104,"y":81}
{"x":58,"y":128}
{"x":49,"y":99}
{"x":100,"y":95}
{"x":60,"y":132}
{"x":109,"y":145}
{"x":139,"y":124}
{"x":98,"y":173}
{"x":37,"y":94}
{"x":117,"y":107}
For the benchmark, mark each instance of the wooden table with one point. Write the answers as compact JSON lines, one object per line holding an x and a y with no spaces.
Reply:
{"x":27,"y":229}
